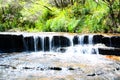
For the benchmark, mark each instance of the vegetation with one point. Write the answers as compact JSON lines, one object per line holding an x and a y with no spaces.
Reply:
{"x":87,"y":16}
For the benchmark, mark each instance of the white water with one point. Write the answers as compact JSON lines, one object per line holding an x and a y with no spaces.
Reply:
{"x":35,"y":43}
{"x":76,"y":56}
{"x":81,"y":48}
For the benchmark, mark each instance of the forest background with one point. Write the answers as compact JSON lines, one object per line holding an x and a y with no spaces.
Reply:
{"x":79,"y":16}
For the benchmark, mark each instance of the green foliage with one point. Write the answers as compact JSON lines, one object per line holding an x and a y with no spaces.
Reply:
{"x":66,"y":16}
{"x":57,"y":25}
{"x":11,"y":17}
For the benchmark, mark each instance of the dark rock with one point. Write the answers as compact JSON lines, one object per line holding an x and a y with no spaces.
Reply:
{"x":118,"y":69}
{"x":60,"y":41}
{"x":29,"y":43}
{"x":85,"y":39}
{"x":18,"y":43}
{"x":8,"y":66}
{"x":115,"y":41}
{"x":71,"y":68}
{"x":11,"y":43}
{"x":46,"y":44}
{"x":91,"y":74}
{"x":109,"y":51}
{"x":97,"y":39}
{"x":106,"y":41}
{"x":38,"y":43}
{"x":55,"y":68}
{"x":42,"y":69}
{"x":27,"y":68}
{"x":76,"y":40}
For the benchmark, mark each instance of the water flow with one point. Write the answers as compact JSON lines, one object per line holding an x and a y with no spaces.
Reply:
{"x":90,"y":39}
{"x":35,"y":42}
{"x":86,"y":48}
{"x":85,"y":45}
{"x":81,"y":39}
{"x":42,"y":37}
{"x":50,"y":42}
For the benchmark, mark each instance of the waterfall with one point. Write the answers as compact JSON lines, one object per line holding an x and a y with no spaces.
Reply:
{"x":50,"y":43}
{"x":35,"y":43}
{"x":90,"y":39}
{"x":83,"y":44}
{"x":86,"y":45}
{"x":42,"y":43}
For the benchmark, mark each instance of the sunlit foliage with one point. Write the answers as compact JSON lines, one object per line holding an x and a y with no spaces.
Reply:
{"x":60,"y":15}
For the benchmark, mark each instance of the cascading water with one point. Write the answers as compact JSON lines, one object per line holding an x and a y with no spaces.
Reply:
{"x":85,"y":44}
{"x":35,"y":43}
{"x":56,"y":56}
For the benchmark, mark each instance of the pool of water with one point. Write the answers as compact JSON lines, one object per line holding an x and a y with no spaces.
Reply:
{"x":57,"y":66}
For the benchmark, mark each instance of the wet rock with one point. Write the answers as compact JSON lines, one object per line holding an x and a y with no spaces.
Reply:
{"x":27,"y":68}
{"x":60,"y":41}
{"x":39,"y":44}
{"x":11,"y":43}
{"x":93,"y":74}
{"x":115,"y":41}
{"x":29,"y":43}
{"x":109,"y":51}
{"x":85,"y":39}
{"x":97,"y":39}
{"x":46,"y":44}
{"x":118,"y":69}
{"x":75,"y":40}
{"x":106,"y":41}
{"x":71,"y":68}
{"x":55,"y":68}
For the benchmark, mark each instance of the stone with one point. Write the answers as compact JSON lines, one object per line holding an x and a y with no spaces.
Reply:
{"x":55,"y":68}
{"x":75,"y":40}
{"x":29,"y":43}
{"x":115,"y":41}
{"x":11,"y":43}
{"x":39,"y":44}
{"x":97,"y":39}
{"x":106,"y":41}
{"x":109,"y":51}
{"x":46,"y":44}
{"x":70,"y":68}
{"x":60,"y":41}
{"x":85,"y":39}
{"x":27,"y":68}
{"x":91,"y":74}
